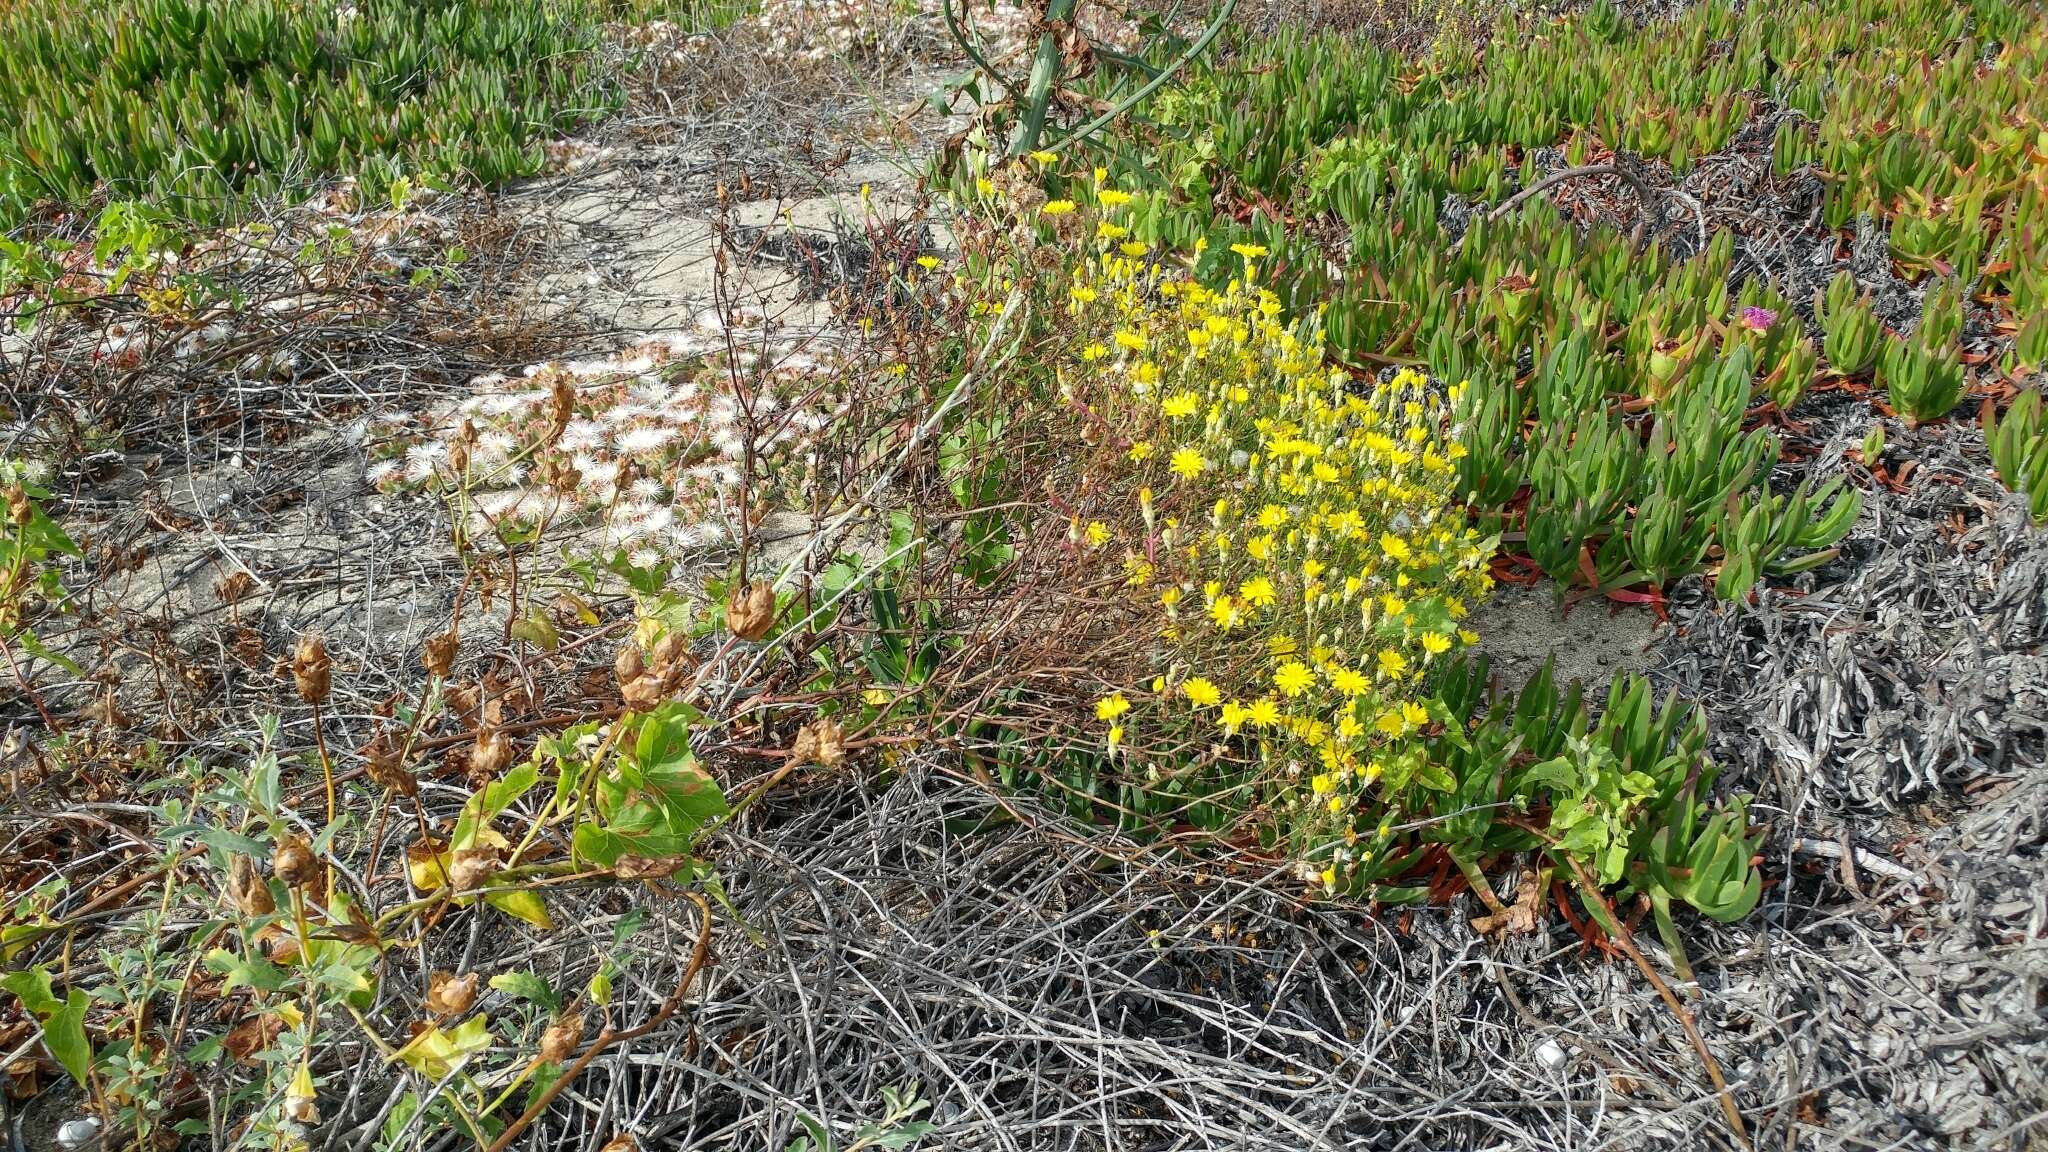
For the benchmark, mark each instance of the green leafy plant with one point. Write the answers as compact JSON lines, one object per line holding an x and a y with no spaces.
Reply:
{"x":897,"y":1128}
{"x":30,"y":543}
{"x":2019,"y":449}
{"x":1852,"y":333}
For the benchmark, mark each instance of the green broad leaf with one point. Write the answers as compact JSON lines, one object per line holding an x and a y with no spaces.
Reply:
{"x":220,"y":840}
{"x":903,"y":1136}
{"x":598,"y":845}
{"x":488,"y":804}
{"x":628,"y":926}
{"x":63,"y":1020}
{"x":436,"y":1051}
{"x":251,"y":972}
{"x":527,"y":986}
{"x":35,"y":647}
{"x":544,"y":1078}
{"x":525,"y":905}
{"x":64,"y":1035}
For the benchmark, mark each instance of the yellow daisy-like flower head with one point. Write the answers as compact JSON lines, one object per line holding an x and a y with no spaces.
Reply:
{"x":1392,"y":663}
{"x":1188,"y":463}
{"x":1350,"y":681}
{"x":1294,"y":678}
{"x":1258,"y":592}
{"x":1057,"y":207}
{"x":1111,"y":706}
{"x":1201,"y":692}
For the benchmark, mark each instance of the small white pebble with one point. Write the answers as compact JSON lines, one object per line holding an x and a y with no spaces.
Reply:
{"x":1551,"y":1055}
{"x":78,"y":1133}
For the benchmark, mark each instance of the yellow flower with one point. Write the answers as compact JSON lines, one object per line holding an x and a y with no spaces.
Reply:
{"x":1257,"y":591}
{"x":1170,"y":597}
{"x":1265,"y":711}
{"x":927,"y":262}
{"x":1188,"y":463}
{"x":1468,"y":637}
{"x":1294,"y":677}
{"x":1113,"y":197}
{"x":1104,"y":230}
{"x":1395,"y":547}
{"x":1392,"y":663}
{"x":1390,"y":722}
{"x":1248,"y":251}
{"x":1140,"y":451}
{"x":1057,"y":207}
{"x":1202,"y":692}
{"x":1125,"y":338}
{"x":1322,"y":783}
{"x":1133,"y":249}
{"x":1224,"y":612}
{"x":1111,"y":706}
{"x":1044,"y":157}
{"x":1116,"y":736}
{"x":1350,"y":681}
{"x":1330,"y":878}
{"x":1181,"y":404}
{"x":1098,"y":533}
{"x":1336,"y":804}
{"x":1082,"y":294}
{"x":1435,"y":643}
{"x":1415,"y":714}
{"x":1233,"y":717}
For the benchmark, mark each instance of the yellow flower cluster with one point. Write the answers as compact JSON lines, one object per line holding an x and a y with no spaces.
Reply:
{"x":1295,"y":529}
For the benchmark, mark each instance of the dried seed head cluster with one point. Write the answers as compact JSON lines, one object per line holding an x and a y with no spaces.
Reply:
{"x":558,"y":1042}
{"x":650,"y":443}
{"x":646,"y":681}
{"x":246,"y":888}
{"x":439,"y":656}
{"x":750,"y":612}
{"x":292,"y":861}
{"x":821,"y":742}
{"x":312,"y":669}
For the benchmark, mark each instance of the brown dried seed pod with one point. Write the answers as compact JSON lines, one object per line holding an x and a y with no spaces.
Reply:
{"x":561,"y":408}
{"x":751,"y":613}
{"x":628,"y":664}
{"x":490,"y":755}
{"x":231,"y":588}
{"x":19,"y":507}
{"x":559,"y":1042}
{"x":246,"y":888}
{"x":458,"y":458}
{"x":623,"y":1142}
{"x":669,"y":649}
{"x":472,"y":868}
{"x":312,"y":670}
{"x":381,"y":764}
{"x":643,"y":692}
{"x":820,"y":742}
{"x":449,"y":994}
{"x":292,"y":860}
{"x":301,"y":1110}
{"x":439,"y":655}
